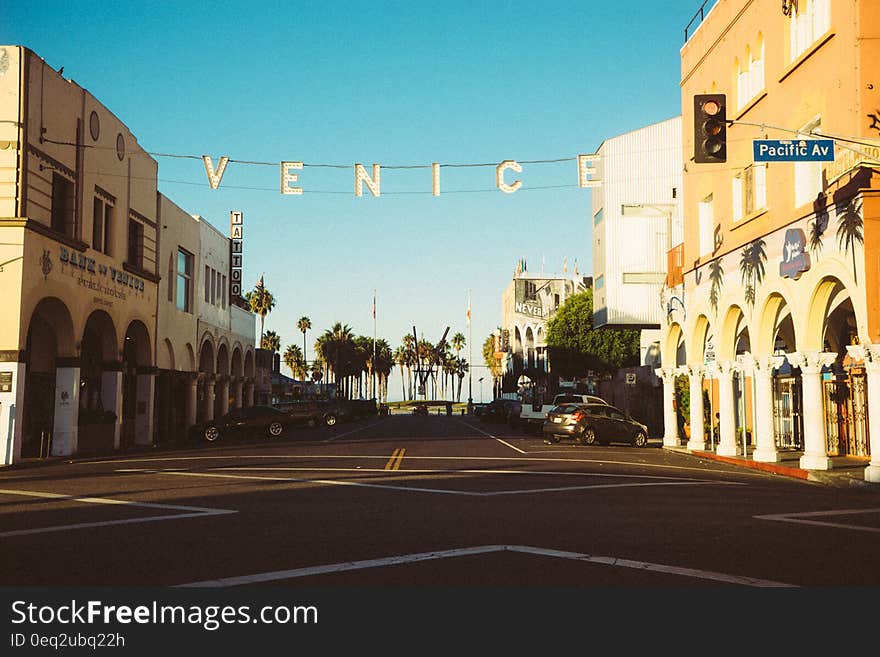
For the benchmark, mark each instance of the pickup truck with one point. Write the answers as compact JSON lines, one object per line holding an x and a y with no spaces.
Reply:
{"x":532,"y":416}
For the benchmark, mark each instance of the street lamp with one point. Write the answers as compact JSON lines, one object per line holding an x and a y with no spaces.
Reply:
{"x":481,"y":389}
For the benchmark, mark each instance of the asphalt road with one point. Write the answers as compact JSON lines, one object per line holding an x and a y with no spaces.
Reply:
{"x":432,"y":501}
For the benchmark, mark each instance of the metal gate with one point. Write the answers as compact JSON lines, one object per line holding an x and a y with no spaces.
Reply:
{"x":787,"y":422}
{"x":846,"y":415}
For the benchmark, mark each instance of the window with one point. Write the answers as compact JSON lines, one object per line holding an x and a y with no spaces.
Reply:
{"x":808,"y":180}
{"x":213,"y":287}
{"x":597,"y":218}
{"x":184,"y":280}
{"x":102,"y":219}
{"x":749,"y":191}
{"x":135,"y":243}
{"x":810,"y":20}
{"x":707,"y":225}
{"x":737,"y":195}
{"x":207,"y":284}
{"x":750,"y":74}
{"x":63,"y":206}
{"x":600,"y":282}
{"x":223,"y":293}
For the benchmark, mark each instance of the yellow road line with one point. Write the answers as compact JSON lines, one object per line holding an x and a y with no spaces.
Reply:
{"x":396,"y":458}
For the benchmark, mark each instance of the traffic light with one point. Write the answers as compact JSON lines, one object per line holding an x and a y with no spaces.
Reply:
{"x":710,"y":128}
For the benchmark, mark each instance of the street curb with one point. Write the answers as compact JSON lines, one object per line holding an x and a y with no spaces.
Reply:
{"x":838,"y":478}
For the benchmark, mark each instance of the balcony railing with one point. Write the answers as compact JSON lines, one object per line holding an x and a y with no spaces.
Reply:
{"x":698,"y":18}
{"x":674,"y":266}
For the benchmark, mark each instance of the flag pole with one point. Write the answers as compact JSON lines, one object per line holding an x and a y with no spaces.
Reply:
{"x":373,"y":368}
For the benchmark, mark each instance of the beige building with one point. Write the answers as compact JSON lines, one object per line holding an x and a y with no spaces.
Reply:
{"x":80,"y":272}
{"x":778,"y":268}
{"x":527,"y":303}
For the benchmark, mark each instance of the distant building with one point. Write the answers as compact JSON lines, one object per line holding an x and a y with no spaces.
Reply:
{"x":527,"y":304}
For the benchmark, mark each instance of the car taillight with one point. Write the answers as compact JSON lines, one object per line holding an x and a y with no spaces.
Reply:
{"x":577,"y":416}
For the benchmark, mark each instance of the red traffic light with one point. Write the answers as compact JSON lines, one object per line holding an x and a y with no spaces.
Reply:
{"x":710,"y":128}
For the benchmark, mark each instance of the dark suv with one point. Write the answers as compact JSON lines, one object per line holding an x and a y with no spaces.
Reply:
{"x":243,"y":421}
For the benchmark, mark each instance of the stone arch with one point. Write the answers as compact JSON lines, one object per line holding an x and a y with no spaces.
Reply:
{"x":700,"y":335}
{"x":674,"y":352}
{"x":189,"y":358}
{"x":222,"y":359}
{"x":529,"y":345}
{"x":249,"y":363}
{"x":136,"y":347}
{"x":48,"y":338}
{"x":775,"y":326}
{"x":733,"y":327}
{"x":166,"y":360}
{"x":827,"y":296}
{"x":237,"y":368}
{"x":52,"y":316}
{"x":207,"y":362}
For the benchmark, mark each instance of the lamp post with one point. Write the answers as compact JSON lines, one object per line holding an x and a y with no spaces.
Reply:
{"x":481,"y":389}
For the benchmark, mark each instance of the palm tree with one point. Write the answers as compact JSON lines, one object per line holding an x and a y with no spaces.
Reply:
{"x":400,"y":359}
{"x":271,"y":341}
{"x":336,"y":350}
{"x":261,"y":302}
{"x":716,"y":276}
{"x":817,"y":230}
{"x":291,"y":357}
{"x":751,"y":267}
{"x":304,"y":324}
{"x":491,"y":362}
{"x":849,"y":229}
{"x":461,"y":368}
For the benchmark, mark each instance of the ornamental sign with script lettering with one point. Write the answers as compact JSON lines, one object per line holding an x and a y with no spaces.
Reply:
{"x":586,"y":171}
{"x":236,"y":223}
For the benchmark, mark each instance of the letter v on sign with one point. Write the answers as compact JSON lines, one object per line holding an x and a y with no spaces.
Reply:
{"x":214,"y":177}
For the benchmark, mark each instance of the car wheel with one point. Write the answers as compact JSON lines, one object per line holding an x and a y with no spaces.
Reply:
{"x":211,"y":434}
{"x":330,"y":419}
{"x":640,"y":439}
{"x":274,"y":429}
{"x":588,"y":437}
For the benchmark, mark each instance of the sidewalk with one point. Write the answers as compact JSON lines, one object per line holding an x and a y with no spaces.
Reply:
{"x":845,"y":471}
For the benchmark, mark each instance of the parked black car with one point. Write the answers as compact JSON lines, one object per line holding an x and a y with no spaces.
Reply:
{"x":420,"y":409}
{"x":267,"y":420}
{"x":310,"y":413}
{"x":591,"y":424}
{"x":500,"y":410}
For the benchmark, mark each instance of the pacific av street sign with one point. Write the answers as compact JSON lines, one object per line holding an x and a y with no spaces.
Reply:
{"x":801,"y":150}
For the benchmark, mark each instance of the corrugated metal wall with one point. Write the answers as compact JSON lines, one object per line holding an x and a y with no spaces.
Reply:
{"x":641,"y":170}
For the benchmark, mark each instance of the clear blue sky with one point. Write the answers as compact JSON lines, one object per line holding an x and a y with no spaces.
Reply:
{"x":406,"y":83}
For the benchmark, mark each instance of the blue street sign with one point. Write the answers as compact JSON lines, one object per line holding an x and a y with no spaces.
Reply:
{"x":789,"y":150}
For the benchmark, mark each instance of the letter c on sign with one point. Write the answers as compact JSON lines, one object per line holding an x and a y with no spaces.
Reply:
{"x":499,"y":176}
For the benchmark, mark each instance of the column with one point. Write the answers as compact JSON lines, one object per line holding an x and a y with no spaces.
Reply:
{"x":815,"y":456}
{"x":249,"y":392}
{"x":208,"y":399}
{"x":146,"y":397}
{"x":65,"y":435}
{"x":765,"y":438}
{"x":12,"y":379}
{"x":727,"y":445}
{"x":871,"y":356}
{"x":670,"y":421}
{"x":222,"y":388}
{"x":111,"y":397}
{"x":237,"y":391}
{"x":192,"y":398}
{"x":697,"y":441}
